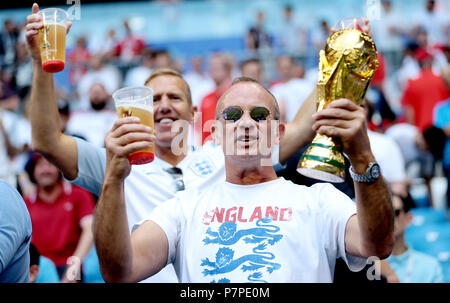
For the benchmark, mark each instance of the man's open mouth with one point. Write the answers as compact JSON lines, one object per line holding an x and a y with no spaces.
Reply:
{"x":165,"y":120}
{"x":246,"y":138}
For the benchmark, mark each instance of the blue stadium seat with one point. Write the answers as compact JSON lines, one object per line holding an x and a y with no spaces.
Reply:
{"x":426,"y":215}
{"x":91,"y":268}
{"x":432,"y":239}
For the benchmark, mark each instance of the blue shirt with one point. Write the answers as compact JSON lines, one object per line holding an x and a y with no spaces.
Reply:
{"x":442,"y":120}
{"x":15,"y":236}
{"x":416,"y":267}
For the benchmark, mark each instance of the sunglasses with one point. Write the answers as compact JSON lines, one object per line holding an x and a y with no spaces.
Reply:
{"x":234,"y":113}
{"x":177,"y":175}
{"x":397,"y":212}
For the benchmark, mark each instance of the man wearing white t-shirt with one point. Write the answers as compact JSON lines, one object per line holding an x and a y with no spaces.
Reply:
{"x":253,"y":226}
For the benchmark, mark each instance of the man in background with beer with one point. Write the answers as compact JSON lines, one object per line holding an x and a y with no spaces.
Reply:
{"x":148,"y":185}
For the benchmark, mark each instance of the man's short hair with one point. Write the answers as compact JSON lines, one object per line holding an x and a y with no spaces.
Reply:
{"x":34,"y":255}
{"x":248,"y":61}
{"x":407,"y":202}
{"x":170,"y":72}
{"x":251,"y":80}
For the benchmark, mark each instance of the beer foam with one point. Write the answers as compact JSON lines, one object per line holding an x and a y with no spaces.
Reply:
{"x":126,"y":103}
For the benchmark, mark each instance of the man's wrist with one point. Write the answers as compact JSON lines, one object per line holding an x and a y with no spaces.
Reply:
{"x":361,"y":162}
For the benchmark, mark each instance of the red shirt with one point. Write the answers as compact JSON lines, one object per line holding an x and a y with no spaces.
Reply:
{"x":78,"y":59}
{"x":130,"y":47}
{"x":57,"y":225}
{"x":208,"y":110}
{"x":422,"y":94}
{"x":380,"y":73}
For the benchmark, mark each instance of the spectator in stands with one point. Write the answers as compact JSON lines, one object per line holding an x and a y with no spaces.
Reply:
{"x":100,"y":117}
{"x":442,"y":120}
{"x":409,"y":68}
{"x":388,"y":155}
{"x":23,"y":71}
{"x":423,"y":93}
{"x":292,"y":36}
{"x":290,"y":91}
{"x":15,"y":236}
{"x":78,"y":60}
{"x":99,"y":72}
{"x":199,"y":81}
{"x":131,"y":46}
{"x":8,"y":39}
{"x":418,"y":148}
{"x":8,"y":97}
{"x":409,"y":265}
{"x":7,"y":173}
{"x":435,"y":22}
{"x":387,"y":34}
{"x":257,"y":37}
{"x":220,"y":69}
{"x":61,"y":216}
{"x":319,"y":36}
{"x":252,"y":68}
{"x":137,"y":75}
{"x":162,"y":59}
{"x":439,"y":59}
{"x":42,"y":269}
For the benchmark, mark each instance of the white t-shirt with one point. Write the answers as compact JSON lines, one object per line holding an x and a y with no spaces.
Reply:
{"x":384,"y":38}
{"x":389,"y":156}
{"x":200,"y":85}
{"x":92,"y":125}
{"x":404,"y":134}
{"x":137,"y":76}
{"x":149,"y":185}
{"x":293,"y":93}
{"x":275,"y":231}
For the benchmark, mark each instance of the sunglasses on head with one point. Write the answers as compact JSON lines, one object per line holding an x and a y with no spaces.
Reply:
{"x":234,"y":113}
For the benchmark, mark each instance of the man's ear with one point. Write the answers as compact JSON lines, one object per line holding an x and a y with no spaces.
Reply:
{"x":216,"y":133}
{"x":34,"y":271}
{"x":281,"y":129}
{"x":409,"y":218}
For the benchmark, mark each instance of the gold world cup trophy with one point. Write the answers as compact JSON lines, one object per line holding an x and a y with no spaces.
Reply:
{"x":346,"y":67}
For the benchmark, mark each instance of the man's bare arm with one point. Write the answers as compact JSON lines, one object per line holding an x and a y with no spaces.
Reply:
{"x":46,"y":133}
{"x":371,"y":231}
{"x":125,"y":258}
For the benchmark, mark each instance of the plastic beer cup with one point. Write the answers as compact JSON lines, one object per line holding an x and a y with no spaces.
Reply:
{"x":52,"y":39}
{"x":137,"y":102}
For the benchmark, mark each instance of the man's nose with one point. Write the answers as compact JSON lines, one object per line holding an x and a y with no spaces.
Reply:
{"x":163,"y":105}
{"x":246,"y":121}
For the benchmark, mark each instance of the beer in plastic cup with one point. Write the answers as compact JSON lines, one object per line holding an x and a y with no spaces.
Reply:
{"x":137,"y":102}
{"x":52,"y":39}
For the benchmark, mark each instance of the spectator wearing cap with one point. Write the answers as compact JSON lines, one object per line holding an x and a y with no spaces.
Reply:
{"x":406,"y":265}
{"x":61,"y":216}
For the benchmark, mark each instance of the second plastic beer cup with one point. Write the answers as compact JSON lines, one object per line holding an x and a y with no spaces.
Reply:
{"x":137,"y":102}
{"x":52,"y":39}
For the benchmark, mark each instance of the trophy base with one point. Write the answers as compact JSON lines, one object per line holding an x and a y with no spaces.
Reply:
{"x":319,"y":175}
